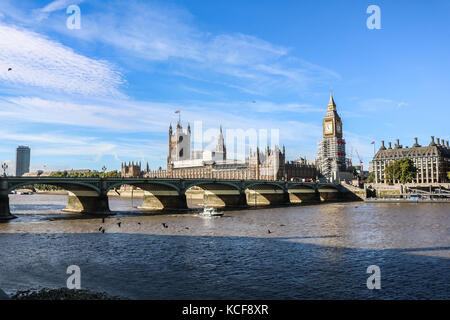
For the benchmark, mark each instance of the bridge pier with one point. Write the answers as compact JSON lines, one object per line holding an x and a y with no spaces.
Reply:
{"x":163,"y":200}
{"x":329,"y":194}
{"x":300,"y":194}
{"x":224,"y":199}
{"x":267,"y":195}
{"x":5,"y":213}
{"x":88,"y":202}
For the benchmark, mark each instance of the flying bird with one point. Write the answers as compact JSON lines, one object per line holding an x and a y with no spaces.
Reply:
{"x":9,"y":69}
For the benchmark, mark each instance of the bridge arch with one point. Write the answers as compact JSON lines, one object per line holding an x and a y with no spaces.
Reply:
{"x":328,"y":192}
{"x":216,"y":193}
{"x":83,"y":196}
{"x":266,"y":193}
{"x":302,"y":193}
{"x":69,"y":186}
{"x":158,"y":195}
{"x":115,"y":184}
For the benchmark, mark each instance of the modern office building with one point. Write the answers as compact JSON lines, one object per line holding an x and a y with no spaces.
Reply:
{"x":22,"y":160}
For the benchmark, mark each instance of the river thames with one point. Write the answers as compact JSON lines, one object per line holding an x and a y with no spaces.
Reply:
{"x":302,"y":252}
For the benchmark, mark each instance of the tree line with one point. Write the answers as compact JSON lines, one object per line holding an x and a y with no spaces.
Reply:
{"x":402,"y":170}
{"x":75,"y":174}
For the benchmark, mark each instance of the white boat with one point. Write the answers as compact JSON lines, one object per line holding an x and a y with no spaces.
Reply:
{"x":24,"y":192}
{"x":210,"y":212}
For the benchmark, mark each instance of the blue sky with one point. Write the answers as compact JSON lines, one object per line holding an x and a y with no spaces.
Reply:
{"x":106,"y":93}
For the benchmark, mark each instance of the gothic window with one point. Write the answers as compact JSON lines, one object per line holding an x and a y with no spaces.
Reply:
{"x":181,"y":151}
{"x":180,"y":139}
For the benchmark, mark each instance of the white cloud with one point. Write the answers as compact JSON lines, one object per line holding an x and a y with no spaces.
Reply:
{"x":54,"y":143}
{"x":40,"y":62}
{"x":111,"y":119}
{"x":43,"y":13}
{"x":377,"y":104}
{"x":146,"y":34}
{"x":59,"y":5}
{"x":140,"y":116}
{"x":238,"y":61}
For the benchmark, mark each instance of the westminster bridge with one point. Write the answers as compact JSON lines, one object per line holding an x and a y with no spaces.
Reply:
{"x":90,"y":195}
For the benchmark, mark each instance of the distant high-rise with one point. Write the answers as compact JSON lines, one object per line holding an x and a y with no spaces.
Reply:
{"x":22,"y":160}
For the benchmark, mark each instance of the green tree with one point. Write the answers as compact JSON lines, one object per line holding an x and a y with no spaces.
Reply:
{"x":407,"y":170}
{"x":390,"y":171}
{"x":87,"y":174}
{"x":402,"y":170}
{"x":371,"y":177}
{"x":352,"y":169}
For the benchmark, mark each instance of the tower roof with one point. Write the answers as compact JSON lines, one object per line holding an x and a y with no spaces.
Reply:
{"x":331,"y":104}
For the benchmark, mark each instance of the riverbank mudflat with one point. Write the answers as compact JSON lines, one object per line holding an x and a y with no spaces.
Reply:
{"x":62,"y":294}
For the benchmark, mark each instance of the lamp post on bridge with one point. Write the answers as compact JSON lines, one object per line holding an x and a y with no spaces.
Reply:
{"x":4,"y":167}
{"x":104,"y":171}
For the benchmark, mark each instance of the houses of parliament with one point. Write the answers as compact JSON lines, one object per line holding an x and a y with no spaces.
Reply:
{"x":266,"y":164}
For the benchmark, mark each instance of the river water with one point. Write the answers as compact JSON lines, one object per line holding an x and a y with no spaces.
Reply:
{"x":312,"y":252}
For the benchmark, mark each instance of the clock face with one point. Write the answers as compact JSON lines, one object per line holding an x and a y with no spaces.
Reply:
{"x":328,"y":127}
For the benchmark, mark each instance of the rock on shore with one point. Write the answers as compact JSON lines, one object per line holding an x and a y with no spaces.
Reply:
{"x":62,"y":294}
{"x":3,"y":295}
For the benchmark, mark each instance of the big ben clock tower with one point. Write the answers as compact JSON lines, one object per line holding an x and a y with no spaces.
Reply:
{"x":331,"y":154}
{"x":332,"y":124}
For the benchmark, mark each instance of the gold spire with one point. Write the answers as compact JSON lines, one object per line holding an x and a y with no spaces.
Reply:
{"x":331,"y":104}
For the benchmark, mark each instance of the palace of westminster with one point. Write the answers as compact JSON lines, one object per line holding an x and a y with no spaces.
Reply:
{"x":432,"y":161}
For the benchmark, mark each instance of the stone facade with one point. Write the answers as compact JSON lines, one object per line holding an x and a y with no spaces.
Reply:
{"x":432,"y":161}
{"x":269,"y":164}
{"x":132,"y":170}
